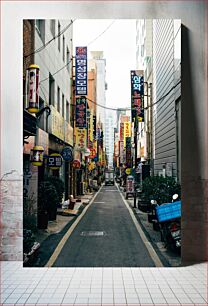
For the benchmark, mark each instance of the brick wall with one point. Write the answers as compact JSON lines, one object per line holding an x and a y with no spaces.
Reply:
{"x":28,"y":43}
{"x":11,"y":215}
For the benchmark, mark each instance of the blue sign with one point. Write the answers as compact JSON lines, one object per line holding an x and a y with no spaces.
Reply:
{"x":67,"y":154}
{"x":81,"y":71}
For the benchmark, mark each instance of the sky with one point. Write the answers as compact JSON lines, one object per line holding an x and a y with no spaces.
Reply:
{"x":119,"y":46}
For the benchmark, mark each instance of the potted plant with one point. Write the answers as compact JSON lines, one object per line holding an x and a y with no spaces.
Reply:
{"x":58,"y":184}
{"x":47,"y":200}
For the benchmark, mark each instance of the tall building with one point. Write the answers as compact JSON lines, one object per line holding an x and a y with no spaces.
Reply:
{"x":109,"y":136}
{"x":144,"y":63}
{"x":101,"y":86}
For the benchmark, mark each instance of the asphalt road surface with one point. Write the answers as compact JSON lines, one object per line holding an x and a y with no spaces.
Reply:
{"x":106,"y":236}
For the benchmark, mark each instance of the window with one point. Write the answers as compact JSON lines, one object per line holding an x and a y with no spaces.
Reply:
{"x":41,"y":118}
{"x":68,"y":59}
{"x":71,"y":115}
{"x":58,"y":99}
{"x":40,"y":27}
{"x":51,"y":89}
{"x":67,"y":111}
{"x":59,"y":38}
{"x":63,"y":105}
{"x":53,"y":27}
{"x":63,"y":48}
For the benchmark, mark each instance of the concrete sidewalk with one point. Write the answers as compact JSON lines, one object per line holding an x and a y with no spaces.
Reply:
{"x":55,"y":227}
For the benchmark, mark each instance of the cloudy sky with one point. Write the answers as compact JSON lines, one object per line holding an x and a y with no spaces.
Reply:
{"x":118,"y":43}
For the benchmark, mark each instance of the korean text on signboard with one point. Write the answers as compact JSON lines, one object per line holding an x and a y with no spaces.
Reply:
{"x":54,"y":161}
{"x":128,"y":152}
{"x":137,"y":95}
{"x":81,"y":71}
{"x":81,"y":138}
{"x":81,"y":112}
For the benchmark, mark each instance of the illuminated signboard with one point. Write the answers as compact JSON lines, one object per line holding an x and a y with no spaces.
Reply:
{"x":128,"y":152}
{"x":81,"y":112}
{"x":81,"y":71}
{"x":137,"y":95}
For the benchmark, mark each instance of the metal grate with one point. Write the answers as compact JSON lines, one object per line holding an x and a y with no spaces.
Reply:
{"x":93,"y":233}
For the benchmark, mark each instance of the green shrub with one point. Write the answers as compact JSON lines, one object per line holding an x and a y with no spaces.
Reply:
{"x":47,"y":197}
{"x":160,"y":188}
{"x":28,"y":240}
{"x":58,"y":184}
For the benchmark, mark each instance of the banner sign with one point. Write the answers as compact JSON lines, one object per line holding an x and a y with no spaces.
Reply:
{"x":81,"y":112}
{"x":137,"y":95}
{"x":127,"y":131}
{"x":121,"y":152}
{"x":121,"y":131}
{"x":81,"y":138}
{"x":94,"y":127}
{"x":128,"y":152}
{"x":81,"y":71}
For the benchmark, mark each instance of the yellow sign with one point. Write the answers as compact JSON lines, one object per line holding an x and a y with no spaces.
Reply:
{"x":81,"y":138}
{"x":128,"y":171}
{"x":91,"y":125}
{"x":127,"y":131}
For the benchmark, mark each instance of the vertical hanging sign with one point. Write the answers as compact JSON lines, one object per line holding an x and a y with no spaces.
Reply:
{"x":128,"y":152}
{"x":81,"y":112}
{"x":81,"y":71}
{"x":137,"y":95}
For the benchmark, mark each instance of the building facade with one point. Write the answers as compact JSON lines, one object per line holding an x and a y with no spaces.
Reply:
{"x":166,"y":109}
{"x":48,"y":44}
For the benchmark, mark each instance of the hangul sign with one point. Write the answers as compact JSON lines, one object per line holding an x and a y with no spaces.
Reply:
{"x":128,"y":152}
{"x":81,"y":71}
{"x":81,"y":112}
{"x":127,"y":131}
{"x":137,"y":95}
{"x":81,"y":137}
{"x":121,"y":131}
{"x":55,"y":161}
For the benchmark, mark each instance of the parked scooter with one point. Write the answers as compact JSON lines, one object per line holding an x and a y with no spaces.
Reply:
{"x":169,"y":218}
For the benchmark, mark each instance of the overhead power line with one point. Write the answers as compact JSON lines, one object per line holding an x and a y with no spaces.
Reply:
{"x":71,"y":59}
{"x":92,"y":41}
{"x":46,"y":44}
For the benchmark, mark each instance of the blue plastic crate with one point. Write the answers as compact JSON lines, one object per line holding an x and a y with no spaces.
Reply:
{"x":168,"y":211}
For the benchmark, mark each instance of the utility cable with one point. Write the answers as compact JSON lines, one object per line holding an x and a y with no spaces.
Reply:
{"x":56,"y":72}
{"x":46,"y":44}
{"x":92,"y":41}
{"x":71,"y":59}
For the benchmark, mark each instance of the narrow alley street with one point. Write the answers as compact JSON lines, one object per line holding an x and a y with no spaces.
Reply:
{"x":106,"y":236}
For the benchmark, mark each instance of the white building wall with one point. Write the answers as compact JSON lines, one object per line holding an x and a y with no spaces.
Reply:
{"x":51,"y":60}
{"x":109,"y":137}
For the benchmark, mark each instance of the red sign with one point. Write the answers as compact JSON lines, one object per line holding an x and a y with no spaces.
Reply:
{"x":76,"y":164}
